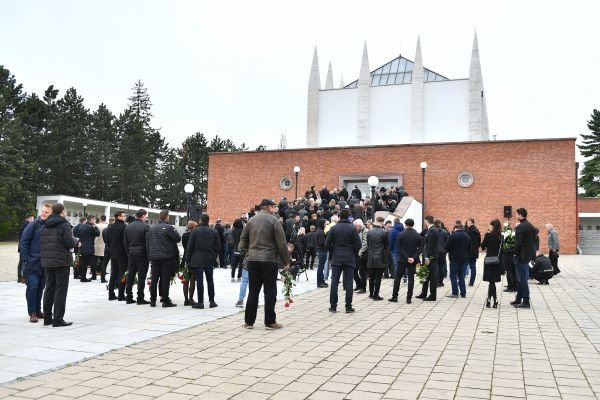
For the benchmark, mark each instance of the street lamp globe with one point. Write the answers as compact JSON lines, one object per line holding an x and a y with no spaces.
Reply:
{"x":423,"y":165}
{"x":188,"y":188}
{"x":373,"y":181}
{"x":297,"y":169}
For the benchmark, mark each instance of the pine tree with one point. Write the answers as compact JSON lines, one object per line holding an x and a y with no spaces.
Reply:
{"x":590,"y":175}
{"x":103,"y":157}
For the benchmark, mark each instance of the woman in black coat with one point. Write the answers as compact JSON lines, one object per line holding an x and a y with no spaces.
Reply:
{"x":492,"y":243}
{"x":189,"y":287}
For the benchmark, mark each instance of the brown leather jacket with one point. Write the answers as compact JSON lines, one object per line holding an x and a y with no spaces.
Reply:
{"x":263,"y":239}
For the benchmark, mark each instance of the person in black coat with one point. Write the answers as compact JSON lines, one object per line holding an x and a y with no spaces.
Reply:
{"x":115,"y":234}
{"x":377,"y":243}
{"x":492,"y":244}
{"x":57,"y":246}
{"x":202,"y":250}
{"x":137,"y":252}
{"x":236,"y":259}
{"x":525,"y":247}
{"x":221,"y":232}
{"x":344,"y":241}
{"x":28,"y":219}
{"x":542,"y":269}
{"x":475,"y":236}
{"x":409,"y":246}
{"x":189,"y":287}
{"x":430,"y":254}
{"x":87,"y":235}
{"x":458,"y":247}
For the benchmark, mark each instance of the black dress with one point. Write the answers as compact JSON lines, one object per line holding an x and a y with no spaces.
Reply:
{"x":491,"y":243}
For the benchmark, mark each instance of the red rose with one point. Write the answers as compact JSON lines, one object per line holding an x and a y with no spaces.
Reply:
{"x":291,"y":301}
{"x":287,"y":305}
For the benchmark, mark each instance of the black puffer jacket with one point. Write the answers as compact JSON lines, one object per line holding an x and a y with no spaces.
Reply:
{"x":135,"y":238}
{"x":57,"y":240}
{"x":115,"y":234}
{"x":161,"y":242}
{"x":203,"y":247}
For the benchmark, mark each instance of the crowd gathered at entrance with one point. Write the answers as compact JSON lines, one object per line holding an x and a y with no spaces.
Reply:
{"x":336,"y":232}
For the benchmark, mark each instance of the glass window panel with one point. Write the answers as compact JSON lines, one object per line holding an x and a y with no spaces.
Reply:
{"x":402,"y":65}
{"x":375,"y":80}
{"x":426,"y":76}
{"x":399,"y":78}
{"x":384,"y":79}
{"x":394,"y":67}
{"x":409,"y":66}
{"x":407,"y":77}
{"x":386,"y":68}
{"x":392,"y":79}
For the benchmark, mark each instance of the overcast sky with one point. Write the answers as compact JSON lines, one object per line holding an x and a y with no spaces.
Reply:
{"x":240,"y":69}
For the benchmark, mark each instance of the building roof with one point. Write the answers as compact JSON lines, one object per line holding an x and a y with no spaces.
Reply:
{"x":588,"y":204}
{"x":395,"y":72}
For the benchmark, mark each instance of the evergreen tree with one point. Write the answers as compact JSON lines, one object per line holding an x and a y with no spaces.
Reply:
{"x":103,"y":157}
{"x":590,"y":175}
{"x":171,"y":182}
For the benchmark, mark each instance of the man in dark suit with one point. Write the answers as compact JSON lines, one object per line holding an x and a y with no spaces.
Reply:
{"x":408,"y":245}
{"x":137,"y":253}
{"x":115,"y":240}
{"x":525,"y":247}
{"x":430,"y":254}
{"x":459,"y":247}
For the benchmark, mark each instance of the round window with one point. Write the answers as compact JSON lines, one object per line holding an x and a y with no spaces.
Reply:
{"x":465,"y":179}
{"x":285,"y":183}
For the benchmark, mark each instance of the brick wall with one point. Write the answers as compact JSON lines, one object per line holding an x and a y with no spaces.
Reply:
{"x":589,"y":204}
{"x":536,"y":174}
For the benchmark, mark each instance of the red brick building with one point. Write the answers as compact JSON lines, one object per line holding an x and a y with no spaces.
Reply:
{"x":539,"y":175}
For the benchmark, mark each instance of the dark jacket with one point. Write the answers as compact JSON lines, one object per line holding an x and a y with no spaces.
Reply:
{"x":377,"y":243}
{"x":444,"y":235}
{"x":344,"y":241}
{"x":525,"y":238}
{"x":135,"y":238}
{"x":161,"y":242}
{"x":24,"y":225}
{"x":221,"y":232}
{"x":409,"y":245}
{"x":320,"y":238}
{"x":311,"y":240}
{"x":30,"y":246}
{"x":542,"y":265}
{"x":475,"y":236}
{"x":459,"y":246}
{"x":393,"y":237}
{"x":56,"y":242}
{"x":431,"y":243}
{"x":263,"y":239}
{"x":491,"y":244}
{"x":87,"y":234}
{"x":115,"y":239}
{"x":105,"y":239}
{"x":236,"y":234}
{"x":203,"y":247}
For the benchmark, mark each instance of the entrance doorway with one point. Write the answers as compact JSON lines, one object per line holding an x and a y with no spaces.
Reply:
{"x":385,"y":181}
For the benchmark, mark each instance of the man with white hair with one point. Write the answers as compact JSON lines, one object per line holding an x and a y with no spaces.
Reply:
{"x":553,"y":247}
{"x":360,"y":272}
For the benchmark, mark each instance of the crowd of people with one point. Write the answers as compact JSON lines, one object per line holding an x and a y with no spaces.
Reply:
{"x":339,"y":231}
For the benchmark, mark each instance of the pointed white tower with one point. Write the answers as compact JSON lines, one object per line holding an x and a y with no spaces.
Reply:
{"x":364,"y":86}
{"x":478,"y":123}
{"x":417,"y":90}
{"x":342,"y":81}
{"x":312,"y":112}
{"x":329,"y":80}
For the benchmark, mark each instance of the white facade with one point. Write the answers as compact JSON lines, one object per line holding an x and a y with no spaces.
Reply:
{"x":397,"y":103}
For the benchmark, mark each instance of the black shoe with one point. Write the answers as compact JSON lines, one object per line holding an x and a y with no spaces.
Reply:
{"x":487,"y":303}
{"x":142,"y":302}
{"x":129,"y":301}
{"x":421,"y":296}
{"x":370,"y":295}
{"x":198,"y":305}
{"x":47,"y":321}
{"x":514,"y":303}
{"x":377,"y":298}
{"x":523,"y":305}
{"x":429,"y":298}
{"x":211,"y":305}
{"x":153,"y":303}
{"x":321,"y":285}
{"x":103,"y":281}
{"x":186,"y":303}
{"x":495,"y":304}
{"x":167,"y":304}
{"x":362,"y":291}
{"x":508,"y":290}
{"x":93,"y":278}
{"x":332,"y":310}
{"x":121,"y":298}
{"x":452,"y":296}
{"x":111,"y":296}
{"x":393,"y":299}
{"x":440,"y":285}
{"x":408,"y":301}
{"x":60,"y":323}
{"x":84,"y":280}
{"x":463,"y":295}
{"x":349,"y":310}
{"x":470,"y":284}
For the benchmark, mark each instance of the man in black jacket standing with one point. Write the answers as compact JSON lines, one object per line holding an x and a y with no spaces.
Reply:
{"x":27,"y":221}
{"x":135,"y":245}
{"x":459,"y":247}
{"x":115,"y":241}
{"x":87,"y":235}
{"x":408,"y":245}
{"x":201,"y":252}
{"x":221,"y":232}
{"x":430,"y":254}
{"x":525,"y":247}
{"x":475,"y":236}
{"x":344,"y":241}
{"x":163,"y":252}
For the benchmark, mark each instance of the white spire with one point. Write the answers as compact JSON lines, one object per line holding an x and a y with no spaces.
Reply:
{"x":312,"y":119}
{"x":342,"y":81}
{"x":364,"y":85}
{"x":417,"y":128}
{"x":329,"y":80}
{"x":478,"y":124}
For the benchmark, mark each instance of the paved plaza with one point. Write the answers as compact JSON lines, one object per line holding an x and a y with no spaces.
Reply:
{"x":450,"y":349}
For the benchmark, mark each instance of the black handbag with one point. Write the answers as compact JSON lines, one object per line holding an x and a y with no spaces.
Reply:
{"x":494,"y":260}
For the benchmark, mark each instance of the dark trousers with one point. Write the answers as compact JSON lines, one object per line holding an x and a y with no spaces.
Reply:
{"x":222,"y":256}
{"x":522,"y":268}
{"x":118,"y":266}
{"x":322,"y":259}
{"x":55,"y":296}
{"x":236,"y":261}
{"x":162,"y":270}
{"x":20,"y":267}
{"x":473,"y":268}
{"x":137,"y":265}
{"x":311,"y":253}
{"x":34,"y":292}
{"x":336,"y":273}
{"x":87,"y":260}
{"x":553,"y":256}
{"x":432,"y":280}
{"x":443,"y":267}
{"x":198,"y":273}
{"x":228,"y":254}
{"x":103,"y":263}
{"x":375,"y":275}
{"x":457,"y":278}
{"x":362,"y":271}
{"x":408,"y":269}
{"x":388,"y":269}
{"x":261,"y":273}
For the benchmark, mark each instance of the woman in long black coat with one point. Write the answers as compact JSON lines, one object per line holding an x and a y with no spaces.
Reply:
{"x":492,"y":243}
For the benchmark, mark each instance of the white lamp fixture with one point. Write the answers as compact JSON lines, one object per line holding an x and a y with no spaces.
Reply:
{"x":373,"y":181}
{"x":188,"y":188}
{"x":297,"y":169}
{"x":423,"y":165}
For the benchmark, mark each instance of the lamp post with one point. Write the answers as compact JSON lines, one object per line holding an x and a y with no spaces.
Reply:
{"x":188,"y":189}
{"x":423,"y":168}
{"x":373,"y":181}
{"x":296,"y":171}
